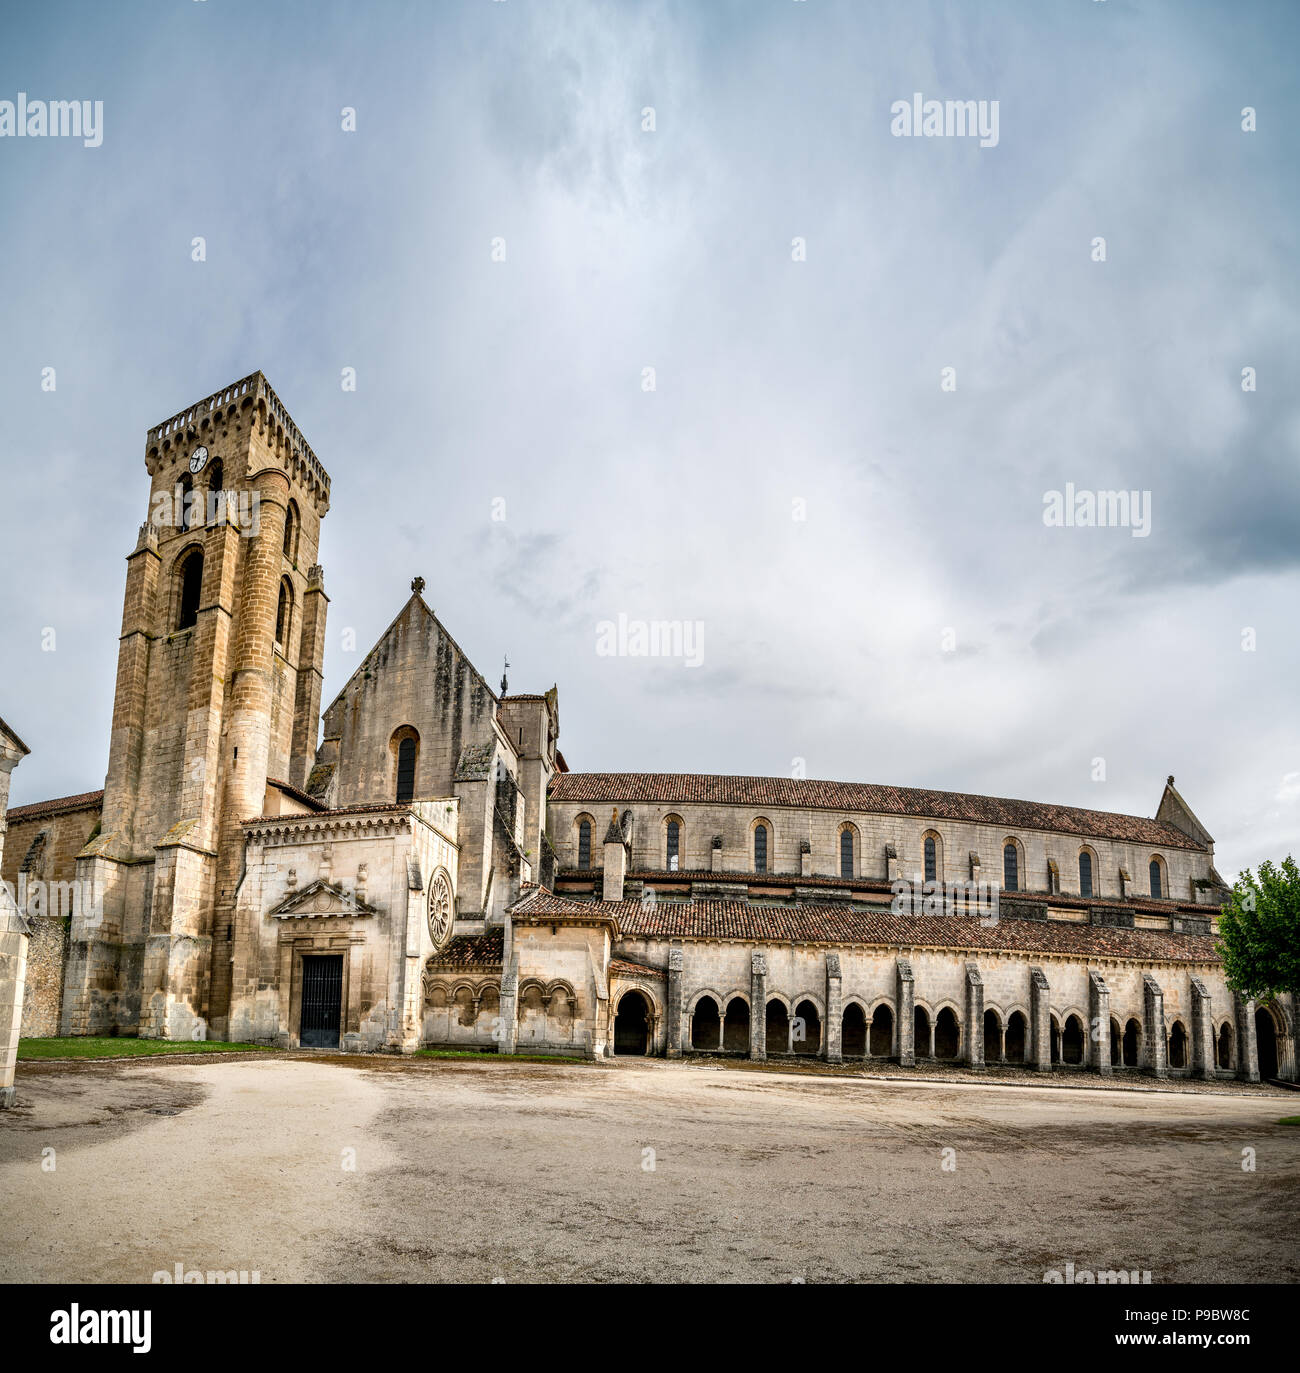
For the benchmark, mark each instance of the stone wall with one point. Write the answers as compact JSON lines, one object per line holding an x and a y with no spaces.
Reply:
{"x":821,"y":829}
{"x":363,"y":879}
{"x":44,"y":847}
{"x":43,"y":997}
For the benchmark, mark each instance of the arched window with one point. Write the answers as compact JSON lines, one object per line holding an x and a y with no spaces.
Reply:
{"x":931,"y":859}
{"x":406,"y":770}
{"x":1085,"y":873}
{"x":291,"y":524}
{"x":1157,"y":880}
{"x":584,"y":843}
{"x":185,"y":515}
{"x":1010,"y":867}
{"x":405,"y":746}
{"x":673,"y":834}
{"x":191,"y":590}
{"x":846,"y":852}
{"x":761,"y":844}
{"x":284,"y":612}
{"x":216,"y":486}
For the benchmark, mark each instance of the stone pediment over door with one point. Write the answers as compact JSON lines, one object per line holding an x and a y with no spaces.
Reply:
{"x":320,"y":900}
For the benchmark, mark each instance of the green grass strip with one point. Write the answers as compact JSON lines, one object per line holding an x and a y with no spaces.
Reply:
{"x":101,"y":1046}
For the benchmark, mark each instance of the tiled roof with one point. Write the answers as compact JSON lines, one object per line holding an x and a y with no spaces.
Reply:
{"x":290,"y":790}
{"x":625,"y":965}
{"x":759,"y":884}
{"x":64,"y":805}
{"x":669,"y":788}
{"x":841,"y":923}
{"x":471,"y":951}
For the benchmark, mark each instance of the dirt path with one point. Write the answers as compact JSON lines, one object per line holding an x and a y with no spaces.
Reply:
{"x":516,"y":1173}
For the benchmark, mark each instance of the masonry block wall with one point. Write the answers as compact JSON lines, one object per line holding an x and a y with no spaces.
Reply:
{"x":791,"y":827}
{"x":204,"y":710}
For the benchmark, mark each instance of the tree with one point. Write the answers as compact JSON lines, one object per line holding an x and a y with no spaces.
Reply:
{"x":1259,"y":932}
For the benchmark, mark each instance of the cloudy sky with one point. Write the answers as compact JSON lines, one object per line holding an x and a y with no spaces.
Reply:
{"x":865,"y":550}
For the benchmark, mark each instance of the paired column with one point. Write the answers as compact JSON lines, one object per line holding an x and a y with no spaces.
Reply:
{"x":1202,"y":1030}
{"x":974,"y":1055}
{"x":1247,"y":1044}
{"x":906,"y":1003}
{"x":1155,"y":1051}
{"x":834,"y":1009}
{"x":1040,"y":1021}
{"x":674,"y":1009}
{"x":1099,"y":1051}
{"x":757,"y":1006}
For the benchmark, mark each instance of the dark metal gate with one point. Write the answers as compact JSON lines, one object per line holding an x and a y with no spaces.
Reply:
{"x":322,"y":999}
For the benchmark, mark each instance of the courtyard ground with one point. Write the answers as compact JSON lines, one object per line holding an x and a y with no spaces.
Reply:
{"x":318,"y":1168}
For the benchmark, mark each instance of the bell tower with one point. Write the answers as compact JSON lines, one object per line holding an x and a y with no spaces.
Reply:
{"x":218,"y":691}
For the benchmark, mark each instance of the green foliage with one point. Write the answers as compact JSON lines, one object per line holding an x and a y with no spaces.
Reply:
{"x":1259,"y":931}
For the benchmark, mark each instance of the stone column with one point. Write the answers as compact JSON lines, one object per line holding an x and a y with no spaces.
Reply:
{"x":906,"y":1018}
{"x":673,"y":1009}
{"x":834,"y":1009}
{"x":1040,"y":1021}
{"x":310,"y":676}
{"x":1155,"y":1049}
{"x":1247,"y":1045}
{"x":757,"y":1006}
{"x":1099,"y":1015}
{"x":14,"y":932}
{"x":1202,"y":1030}
{"x":974,"y":1055}
{"x":1289,"y":1063}
{"x":509,"y":1010}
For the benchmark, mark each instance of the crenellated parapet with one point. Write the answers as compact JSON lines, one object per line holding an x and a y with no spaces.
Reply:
{"x":275,"y":426}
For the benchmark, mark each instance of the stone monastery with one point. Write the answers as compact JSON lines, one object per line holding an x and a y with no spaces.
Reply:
{"x":427,"y":871}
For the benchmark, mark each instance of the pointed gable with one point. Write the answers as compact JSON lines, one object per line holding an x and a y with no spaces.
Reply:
{"x":1173,"y":810}
{"x":416,"y":683}
{"x":321,"y":900}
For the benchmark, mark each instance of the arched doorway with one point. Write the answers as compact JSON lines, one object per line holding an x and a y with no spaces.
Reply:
{"x":853,"y":1031}
{"x":1132,"y":1043}
{"x":632,"y":1025}
{"x":1178,"y":1046}
{"x":1015,"y":1050}
{"x":882,"y":1032}
{"x":923,"y":1046}
{"x":1072,"y":1041}
{"x":807,"y":1038}
{"x":1225,"y":1046}
{"x":706,"y":1024}
{"x":947,"y":1035}
{"x":1266,"y":1041}
{"x":992,"y":1038}
{"x":1116,"y":1044}
{"x":777,"y":1027}
{"x":735,"y":1029}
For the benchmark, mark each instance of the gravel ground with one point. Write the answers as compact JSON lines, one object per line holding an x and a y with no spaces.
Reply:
{"x":321,"y":1168}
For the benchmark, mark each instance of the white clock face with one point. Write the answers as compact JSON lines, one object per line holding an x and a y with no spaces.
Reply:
{"x":198,"y":459}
